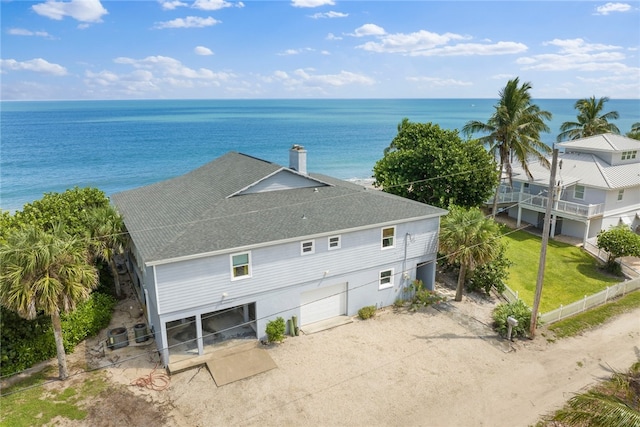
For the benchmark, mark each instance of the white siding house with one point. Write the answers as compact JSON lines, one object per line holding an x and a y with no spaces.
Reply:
{"x":246,"y":236}
{"x":598,"y":186}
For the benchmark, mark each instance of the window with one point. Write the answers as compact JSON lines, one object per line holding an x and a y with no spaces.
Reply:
{"x":578,"y":192}
{"x":620,"y":194}
{"x":334,"y":242}
{"x":628,"y":155}
{"x":388,"y":235}
{"x":307,"y":247}
{"x":240,"y":265}
{"x":386,"y":279}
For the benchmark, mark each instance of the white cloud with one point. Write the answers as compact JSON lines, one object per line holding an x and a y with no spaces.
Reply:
{"x":439,"y":82}
{"x":341,"y":79}
{"x":612,"y":7}
{"x":576,"y":54}
{"x":215,"y":4}
{"x":311,"y":3}
{"x":330,"y":14}
{"x":201,"y":50}
{"x":289,"y":52}
{"x":24,"y":32}
{"x":332,"y":36}
{"x":153,"y":75}
{"x":188,"y":22}
{"x":410,"y":43}
{"x":37,"y":65}
{"x":368,"y":30}
{"x":171,"y":67}
{"x":80,"y":10}
{"x":470,"y":49}
{"x":171,"y":5}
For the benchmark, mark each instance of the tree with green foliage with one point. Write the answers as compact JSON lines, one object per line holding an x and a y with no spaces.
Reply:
{"x":591,"y":120}
{"x":468,"y":238}
{"x":435,"y":166}
{"x":492,"y":274}
{"x":105,"y":230}
{"x":635,"y":131}
{"x":618,"y":241}
{"x":45,"y":271}
{"x":513,"y":131}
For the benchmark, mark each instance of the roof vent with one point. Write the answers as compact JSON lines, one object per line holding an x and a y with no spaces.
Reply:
{"x":298,"y":159}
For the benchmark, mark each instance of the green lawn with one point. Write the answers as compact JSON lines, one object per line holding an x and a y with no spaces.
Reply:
{"x":570,"y":273}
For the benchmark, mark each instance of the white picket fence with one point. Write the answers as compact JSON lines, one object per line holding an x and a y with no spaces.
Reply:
{"x":584,"y":304}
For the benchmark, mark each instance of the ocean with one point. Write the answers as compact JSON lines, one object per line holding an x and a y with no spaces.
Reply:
{"x":49,"y":146}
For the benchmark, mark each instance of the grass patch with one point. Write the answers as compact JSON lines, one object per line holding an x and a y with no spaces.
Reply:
{"x":30,"y":403}
{"x":575,"y":325}
{"x":570,"y":272}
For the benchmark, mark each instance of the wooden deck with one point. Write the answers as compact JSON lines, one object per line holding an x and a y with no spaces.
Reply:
{"x":214,"y":354}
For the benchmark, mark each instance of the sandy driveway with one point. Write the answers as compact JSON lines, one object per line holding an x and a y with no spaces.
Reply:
{"x":435,"y":368}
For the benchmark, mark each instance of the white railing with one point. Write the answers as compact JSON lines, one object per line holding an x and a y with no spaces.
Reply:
{"x":562,"y":206}
{"x":584,"y":304}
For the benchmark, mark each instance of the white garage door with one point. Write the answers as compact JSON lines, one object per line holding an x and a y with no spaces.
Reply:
{"x":323,"y":303}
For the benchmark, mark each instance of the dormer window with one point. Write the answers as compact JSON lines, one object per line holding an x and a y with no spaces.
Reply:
{"x":578,"y":192}
{"x":629,"y":155}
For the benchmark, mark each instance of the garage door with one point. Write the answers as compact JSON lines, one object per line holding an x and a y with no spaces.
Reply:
{"x":323,"y":303}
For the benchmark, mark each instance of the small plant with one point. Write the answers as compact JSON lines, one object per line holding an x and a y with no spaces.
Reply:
{"x":519,"y":311}
{"x":491,"y":274}
{"x":423,"y":297}
{"x":275,"y":330}
{"x":366,"y":312}
{"x":398,"y":303}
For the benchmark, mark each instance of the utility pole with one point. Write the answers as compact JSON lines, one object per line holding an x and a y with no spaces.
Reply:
{"x":545,"y":241}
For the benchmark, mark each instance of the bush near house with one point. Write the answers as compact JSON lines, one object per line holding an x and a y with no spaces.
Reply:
{"x":519,"y":311}
{"x":367,"y":312}
{"x":275,"y":330}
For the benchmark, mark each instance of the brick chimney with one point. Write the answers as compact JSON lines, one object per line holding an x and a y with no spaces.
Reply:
{"x":298,"y":159}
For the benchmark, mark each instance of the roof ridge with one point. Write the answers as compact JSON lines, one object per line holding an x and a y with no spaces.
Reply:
{"x":597,"y":161}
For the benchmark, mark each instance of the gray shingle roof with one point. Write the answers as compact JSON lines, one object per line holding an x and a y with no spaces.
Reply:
{"x":192,"y":214}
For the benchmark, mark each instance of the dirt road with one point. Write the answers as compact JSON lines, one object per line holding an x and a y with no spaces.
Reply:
{"x":436,"y":368}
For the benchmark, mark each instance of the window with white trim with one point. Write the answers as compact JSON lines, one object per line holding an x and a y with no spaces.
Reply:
{"x":386,"y":279}
{"x":241,"y":265}
{"x":334,"y":242}
{"x":388,"y":237}
{"x":620,"y":194}
{"x":307,"y":248}
{"x":629,"y":155}
{"x":578,"y":192}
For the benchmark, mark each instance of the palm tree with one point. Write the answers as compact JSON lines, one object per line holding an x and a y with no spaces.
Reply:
{"x":467,"y":237}
{"x":45,"y":272}
{"x":591,"y":121}
{"x":635,"y":131}
{"x":513,"y":131}
{"x":107,"y":237}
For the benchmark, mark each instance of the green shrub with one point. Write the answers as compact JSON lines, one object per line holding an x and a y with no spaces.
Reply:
{"x":23,"y":343}
{"x":491,"y":274}
{"x":519,"y":311}
{"x":366,"y":312}
{"x":423,"y":297}
{"x":275,"y":330}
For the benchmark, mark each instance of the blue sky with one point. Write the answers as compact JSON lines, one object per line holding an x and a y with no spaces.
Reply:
{"x":92,"y":49}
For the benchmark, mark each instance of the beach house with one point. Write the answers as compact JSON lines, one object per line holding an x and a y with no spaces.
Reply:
{"x":219,"y":252}
{"x":597,"y":187}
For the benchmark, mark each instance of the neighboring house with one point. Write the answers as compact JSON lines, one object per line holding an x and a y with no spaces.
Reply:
{"x":247,"y":236}
{"x":598,"y":186}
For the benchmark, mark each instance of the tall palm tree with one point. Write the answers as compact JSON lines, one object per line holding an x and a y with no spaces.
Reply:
{"x":467,"y":237}
{"x":107,"y":237}
{"x":591,"y":120}
{"x":45,"y":272}
{"x":513,"y":131}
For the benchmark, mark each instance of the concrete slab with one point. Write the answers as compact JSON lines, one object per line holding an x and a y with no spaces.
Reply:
{"x":323,"y":325}
{"x":240,"y":365}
